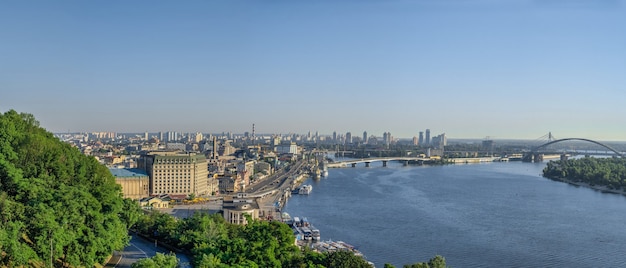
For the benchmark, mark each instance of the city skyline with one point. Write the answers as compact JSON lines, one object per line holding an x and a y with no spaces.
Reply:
{"x":470,"y":69}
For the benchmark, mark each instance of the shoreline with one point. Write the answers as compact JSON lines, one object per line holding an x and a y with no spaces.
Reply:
{"x":601,"y":188}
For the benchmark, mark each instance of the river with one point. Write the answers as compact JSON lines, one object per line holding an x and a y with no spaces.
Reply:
{"x":476,"y":215}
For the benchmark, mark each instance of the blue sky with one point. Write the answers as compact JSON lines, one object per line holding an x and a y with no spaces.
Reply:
{"x":469,"y":68}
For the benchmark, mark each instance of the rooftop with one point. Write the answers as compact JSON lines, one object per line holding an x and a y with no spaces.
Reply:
{"x":127,"y":172}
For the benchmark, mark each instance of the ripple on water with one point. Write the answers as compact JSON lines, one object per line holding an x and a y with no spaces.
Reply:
{"x":487,"y":215}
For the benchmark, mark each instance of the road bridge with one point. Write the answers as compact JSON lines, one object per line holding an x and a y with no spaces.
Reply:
{"x":384,"y":160}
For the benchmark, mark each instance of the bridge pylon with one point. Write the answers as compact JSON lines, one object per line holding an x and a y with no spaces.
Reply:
{"x":550,"y":137}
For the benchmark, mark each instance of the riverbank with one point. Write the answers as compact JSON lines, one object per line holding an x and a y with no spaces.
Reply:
{"x":600,"y":188}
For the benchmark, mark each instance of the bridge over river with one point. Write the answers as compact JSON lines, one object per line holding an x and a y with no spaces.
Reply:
{"x":535,"y":154}
{"x":384,"y":160}
{"x":406,"y":160}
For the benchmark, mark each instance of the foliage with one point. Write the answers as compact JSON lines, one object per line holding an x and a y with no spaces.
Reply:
{"x":345,"y":259}
{"x":216,"y":243}
{"x":610,"y":172}
{"x":160,"y":260}
{"x":435,"y":262}
{"x":55,"y":202}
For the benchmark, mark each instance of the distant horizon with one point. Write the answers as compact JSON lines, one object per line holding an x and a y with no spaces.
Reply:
{"x":455,"y":139}
{"x":516,"y":69}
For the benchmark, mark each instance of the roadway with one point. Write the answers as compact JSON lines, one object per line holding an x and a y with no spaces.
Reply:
{"x":275,"y":180}
{"x":140,"y":248}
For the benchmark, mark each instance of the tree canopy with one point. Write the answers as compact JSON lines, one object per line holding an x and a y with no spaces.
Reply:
{"x":610,"y":172}
{"x":160,"y":260}
{"x":56,"y":205}
{"x":215,"y":243}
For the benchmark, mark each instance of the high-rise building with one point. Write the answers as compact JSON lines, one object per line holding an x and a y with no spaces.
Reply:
{"x":334,"y":136}
{"x":145,"y":136}
{"x":421,"y":138}
{"x":386,"y":138}
{"x":364,"y":137}
{"x":172,"y":136}
{"x":214,"y":154}
{"x":444,"y":139}
{"x":253,"y":134}
{"x":177,"y":173}
{"x":427,"y":141}
{"x":198,"y":137}
{"x":415,"y":140}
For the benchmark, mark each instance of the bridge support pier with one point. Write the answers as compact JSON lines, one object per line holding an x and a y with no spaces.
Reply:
{"x":384,"y":163}
{"x":406,"y":163}
{"x":353,"y":164}
{"x":367,"y":164}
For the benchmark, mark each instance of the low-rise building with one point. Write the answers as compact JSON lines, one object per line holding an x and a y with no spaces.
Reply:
{"x":226,"y":184}
{"x":263,"y":167}
{"x":287,"y":148}
{"x":135,"y":182}
{"x":153,"y":202}
{"x":235,"y":210}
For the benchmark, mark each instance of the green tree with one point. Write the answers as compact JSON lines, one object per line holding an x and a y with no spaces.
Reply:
{"x":435,"y":262}
{"x":160,"y":260}
{"x":130,"y":213}
{"x":209,"y":261}
{"x":345,"y":259}
{"x":58,"y":205}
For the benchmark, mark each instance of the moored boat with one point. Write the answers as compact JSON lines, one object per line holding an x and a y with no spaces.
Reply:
{"x":305,"y":189}
{"x":303,"y":230}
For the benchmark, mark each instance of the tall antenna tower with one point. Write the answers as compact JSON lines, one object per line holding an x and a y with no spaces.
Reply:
{"x":253,"y":137}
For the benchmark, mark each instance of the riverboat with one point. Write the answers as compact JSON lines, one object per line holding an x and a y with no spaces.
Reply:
{"x":317,"y":174}
{"x":305,"y":189}
{"x":303,"y":230}
{"x":308,"y":235}
{"x":315,"y":233}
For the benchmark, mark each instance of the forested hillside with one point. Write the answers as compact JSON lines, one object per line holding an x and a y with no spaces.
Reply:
{"x":56,"y":205}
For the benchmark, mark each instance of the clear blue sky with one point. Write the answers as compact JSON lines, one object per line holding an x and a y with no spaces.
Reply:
{"x":469,"y":68}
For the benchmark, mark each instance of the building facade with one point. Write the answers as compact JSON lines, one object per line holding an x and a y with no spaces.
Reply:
{"x":235,"y":210}
{"x":177,"y":173}
{"x":364,"y":137}
{"x":135,"y":182}
{"x":290,"y":148}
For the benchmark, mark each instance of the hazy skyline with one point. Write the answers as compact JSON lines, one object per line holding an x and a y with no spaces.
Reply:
{"x":476,"y":68}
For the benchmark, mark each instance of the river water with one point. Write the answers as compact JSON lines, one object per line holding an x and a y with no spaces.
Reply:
{"x":476,"y":215}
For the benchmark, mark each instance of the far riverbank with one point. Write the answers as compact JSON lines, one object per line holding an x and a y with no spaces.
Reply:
{"x":600,"y":188}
